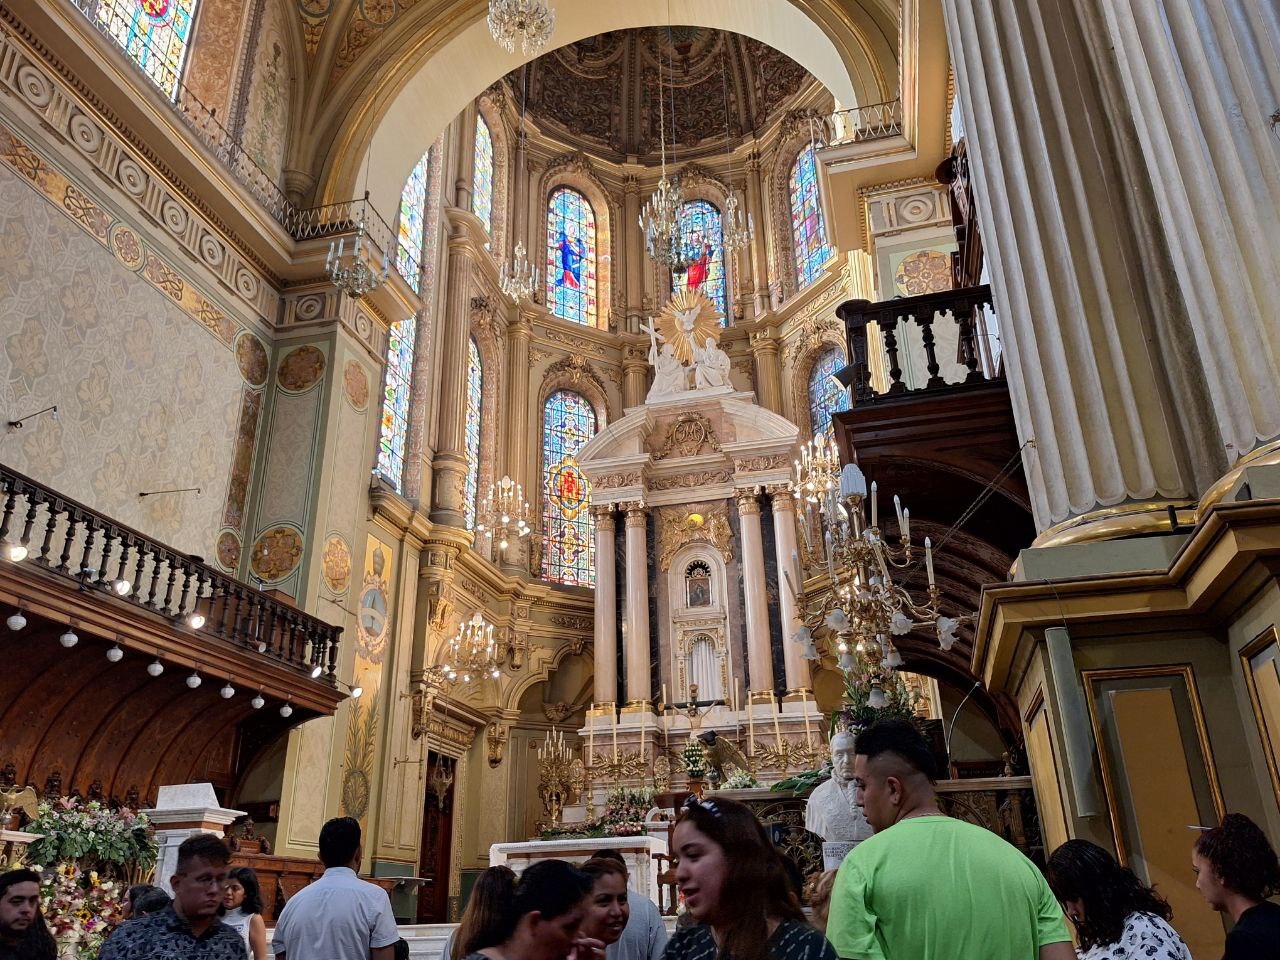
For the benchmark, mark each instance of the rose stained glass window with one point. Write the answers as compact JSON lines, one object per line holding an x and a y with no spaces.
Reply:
{"x":482,"y":177}
{"x":700,"y":225}
{"x":568,"y":554}
{"x":571,"y":257}
{"x":808,"y":230}
{"x":154,"y":33}
{"x":413,"y":211}
{"x":826,"y":395}
{"x":475,"y":384}
{"x":395,"y":402}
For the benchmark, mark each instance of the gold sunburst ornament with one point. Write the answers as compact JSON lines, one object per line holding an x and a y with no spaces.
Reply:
{"x":688,"y":319}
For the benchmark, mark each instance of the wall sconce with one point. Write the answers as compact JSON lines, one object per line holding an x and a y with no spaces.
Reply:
{"x":17,"y":424}
{"x":158,"y":493}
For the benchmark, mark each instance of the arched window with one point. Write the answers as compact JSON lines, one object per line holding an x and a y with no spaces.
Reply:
{"x":568,"y":422}
{"x":826,"y":395}
{"x":475,"y":381}
{"x":413,"y":212}
{"x":808,"y":231}
{"x":482,"y":175}
{"x":700,"y":224}
{"x":154,"y":33}
{"x":395,"y":402}
{"x":697,"y":584}
{"x":571,"y":257}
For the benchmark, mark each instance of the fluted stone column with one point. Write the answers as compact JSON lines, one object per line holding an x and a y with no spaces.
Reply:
{"x":637,"y":640}
{"x":1124,"y":173}
{"x":759,"y":251}
{"x":465,"y":172}
{"x":784,"y":538}
{"x":633,"y":252}
{"x":449,"y":467}
{"x":764,"y":344}
{"x":516,"y":432}
{"x":606,"y":610}
{"x":759,"y":654}
{"x":635,"y":375}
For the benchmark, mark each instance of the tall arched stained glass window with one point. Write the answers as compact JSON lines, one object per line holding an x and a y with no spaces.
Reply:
{"x":395,"y":402}
{"x":571,"y":257}
{"x":826,"y":395}
{"x":482,"y":176}
{"x":475,"y":385}
{"x":568,"y":555}
{"x":808,"y":231}
{"x":413,"y":212}
{"x":154,"y":33}
{"x":700,"y":223}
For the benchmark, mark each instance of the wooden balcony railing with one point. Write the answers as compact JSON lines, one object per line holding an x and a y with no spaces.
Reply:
{"x":42,"y":528}
{"x":961,"y":307}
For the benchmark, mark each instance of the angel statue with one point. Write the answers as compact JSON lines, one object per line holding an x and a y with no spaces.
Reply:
{"x":711,"y":366}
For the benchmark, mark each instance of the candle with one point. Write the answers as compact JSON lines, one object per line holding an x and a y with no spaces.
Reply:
{"x":804,"y":706}
{"x":875,"y":508}
{"x":665,"y":701}
{"x":591,"y":735}
{"x":751,"y":729}
{"x":777,"y":728}
{"x":928,"y":559}
{"x":615,"y":736}
{"x":906,"y":523}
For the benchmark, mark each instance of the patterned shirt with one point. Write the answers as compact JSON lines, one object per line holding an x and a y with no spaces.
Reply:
{"x":1145,"y":937}
{"x":792,"y":940}
{"x":167,"y":936}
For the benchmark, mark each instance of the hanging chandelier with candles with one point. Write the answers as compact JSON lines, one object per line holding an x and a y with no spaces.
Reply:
{"x":529,"y":23}
{"x":504,"y":514}
{"x":360,"y":274}
{"x":472,"y":653}
{"x":519,"y":278}
{"x":736,"y":228}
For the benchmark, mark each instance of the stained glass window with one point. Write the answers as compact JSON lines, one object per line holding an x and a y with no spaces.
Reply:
{"x":413,"y":211}
{"x":808,"y":231}
{"x":568,"y":422}
{"x":700,"y":224}
{"x":475,"y":384}
{"x":482,"y":176}
{"x":154,"y":33}
{"x":395,"y":402}
{"x":826,"y":395}
{"x":571,"y":257}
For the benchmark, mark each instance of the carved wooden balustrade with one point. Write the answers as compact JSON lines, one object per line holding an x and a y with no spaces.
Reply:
{"x":45,"y":529}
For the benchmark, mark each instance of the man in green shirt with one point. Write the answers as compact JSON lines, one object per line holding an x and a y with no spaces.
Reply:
{"x":926,"y":886}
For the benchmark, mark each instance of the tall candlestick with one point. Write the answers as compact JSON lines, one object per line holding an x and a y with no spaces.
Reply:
{"x":615,"y":738}
{"x":751,"y":728}
{"x":591,"y":736}
{"x":777,"y":728}
{"x":804,"y":707}
{"x":875,"y":508}
{"x":928,"y":559}
{"x":665,"y":701}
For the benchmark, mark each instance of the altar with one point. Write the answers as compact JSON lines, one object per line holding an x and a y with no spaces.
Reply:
{"x":640,"y":854}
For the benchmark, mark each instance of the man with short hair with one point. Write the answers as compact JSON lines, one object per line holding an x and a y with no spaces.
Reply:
{"x":189,"y":928}
{"x":339,"y":916}
{"x":23,"y":934}
{"x":929,"y":887}
{"x":644,"y":937}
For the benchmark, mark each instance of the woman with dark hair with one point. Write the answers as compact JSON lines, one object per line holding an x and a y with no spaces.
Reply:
{"x":539,"y":915}
{"x":607,"y":909}
{"x":482,"y":915}
{"x":1236,"y":870}
{"x":1116,"y":915}
{"x":242,"y":905}
{"x":735,"y":885}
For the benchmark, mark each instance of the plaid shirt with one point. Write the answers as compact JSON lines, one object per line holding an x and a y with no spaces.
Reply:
{"x":167,"y":936}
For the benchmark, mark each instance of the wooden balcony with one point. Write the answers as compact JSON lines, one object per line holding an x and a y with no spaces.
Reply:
{"x":80,"y":711}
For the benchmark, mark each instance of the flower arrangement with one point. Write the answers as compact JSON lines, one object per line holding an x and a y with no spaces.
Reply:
{"x":899,"y":700}
{"x":740,"y":780}
{"x":805,"y":780}
{"x":80,"y":908}
{"x":694,"y":758}
{"x":93,"y":836}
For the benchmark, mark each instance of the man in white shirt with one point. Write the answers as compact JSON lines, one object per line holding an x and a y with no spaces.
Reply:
{"x":339,"y":916}
{"x":644,"y":937}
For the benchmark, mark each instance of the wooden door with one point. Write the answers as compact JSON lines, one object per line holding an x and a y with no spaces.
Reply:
{"x":437,"y":840}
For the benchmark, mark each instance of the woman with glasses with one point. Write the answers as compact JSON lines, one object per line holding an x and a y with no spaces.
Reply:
{"x":736,"y":887}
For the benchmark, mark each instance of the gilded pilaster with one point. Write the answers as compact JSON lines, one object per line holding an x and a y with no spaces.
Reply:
{"x":635,"y":375}
{"x":764,"y":346}
{"x":450,"y":463}
{"x":516,"y":434}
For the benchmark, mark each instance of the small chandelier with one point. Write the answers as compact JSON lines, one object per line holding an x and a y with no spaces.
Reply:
{"x":519,"y":279}
{"x":817,"y":471}
{"x":530,"y":21}
{"x":359,"y":275}
{"x":664,"y":235}
{"x":473,"y":653}
{"x":504,"y":513}
{"x":736,"y":229}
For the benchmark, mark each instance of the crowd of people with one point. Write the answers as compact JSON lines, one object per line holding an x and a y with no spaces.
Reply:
{"x":924,"y":887}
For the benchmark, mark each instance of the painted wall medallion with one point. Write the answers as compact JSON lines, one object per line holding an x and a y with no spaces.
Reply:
{"x":228,"y":551}
{"x":301,"y":368}
{"x":356,"y":384}
{"x":925,"y":271}
{"x":276,"y":553}
{"x":251,"y":357}
{"x":374,"y":616}
{"x":335,"y":564}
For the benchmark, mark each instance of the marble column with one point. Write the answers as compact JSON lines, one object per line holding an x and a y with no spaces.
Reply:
{"x":784,"y":538}
{"x":516,"y":433}
{"x":606,"y":609}
{"x":1130,"y":387}
{"x":449,"y":467}
{"x":764,"y":345}
{"x":759,"y":654}
{"x":637,"y":645}
{"x":635,"y":374}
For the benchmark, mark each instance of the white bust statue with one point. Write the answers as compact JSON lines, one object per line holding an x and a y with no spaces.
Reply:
{"x":711,"y":366}
{"x":832,"y":811}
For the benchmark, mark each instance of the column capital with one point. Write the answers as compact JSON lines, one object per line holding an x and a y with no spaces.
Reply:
{"x":764,"y":340}
{"x":781,"y":495}
{"x":748,"y":502}
{"x":602,"y":510}
{"x":637,"y":516}
{"x":521,"y":326}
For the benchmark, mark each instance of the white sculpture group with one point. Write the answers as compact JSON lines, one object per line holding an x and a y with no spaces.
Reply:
{"x":710,"y":369}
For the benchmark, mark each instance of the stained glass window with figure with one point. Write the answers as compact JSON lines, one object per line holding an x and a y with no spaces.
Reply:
{"x":808,"y":229}
{"x":154,"y":33}
{"x":395,"y":402}
{"x":826,"y":395}
{"x":413,"y":212}
{"x":568,"y":556}
{"x":482,"y":178}
{"x":475,"y":389}
{"x":700,"y":224}
{"x":571,"y":257}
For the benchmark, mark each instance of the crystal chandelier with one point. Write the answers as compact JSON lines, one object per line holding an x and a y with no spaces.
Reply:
{"x":504,"y":513}
{"x":359,"y":275}
{"x":529,"y":21}
{"x":519,"y":279}
{"x":736,"y":229}
{"x":472,"y":654}
{"x":860,"y":608}
{"x":664,"y":236}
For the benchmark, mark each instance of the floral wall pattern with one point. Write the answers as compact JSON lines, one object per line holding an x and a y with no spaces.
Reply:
{"x":266,"y":116}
